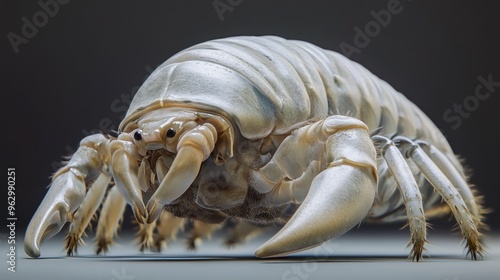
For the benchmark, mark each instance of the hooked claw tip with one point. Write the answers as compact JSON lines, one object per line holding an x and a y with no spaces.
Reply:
{"x":262,"y":253}
{"x":42,"y":227}
{"x":276,"y":247}
{"x":140,"y":213}
{"x":339,"y":198}
{"x":32,"y":249}
{"x":63,"y":198}
{"x":154,"y":210}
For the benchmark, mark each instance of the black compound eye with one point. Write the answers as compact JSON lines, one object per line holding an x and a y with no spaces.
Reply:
{"x":138,"y":136}
{"x":170,"y":133}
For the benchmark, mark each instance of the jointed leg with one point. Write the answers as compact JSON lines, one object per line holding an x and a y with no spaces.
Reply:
{"x":409,"y":191}
{"x":144,"y":236}
{"x":110,"y":219}
{"x":67,"y":191}
{"x":458,"y":180}
{"x":166,"y":229}
{"x":200,"y":231}
{"x":294,"y":191}
{"x":125,"y":168}
{"x":339,"y":197}
{"x":194,"y":147}
{"x":449,"y":193}
{"x":242,"y":232}
{"x":86,"y":212}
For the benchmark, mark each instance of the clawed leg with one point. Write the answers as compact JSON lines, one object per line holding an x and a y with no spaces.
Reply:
{"x":339,"y":197}
{"x":86,"y":212}
{"x":199,"y":232}
{"x":110,"y":218}
{"x":67,"y":191}
{"x":125,"y":169}
{"x":242,"y":232}
{"x":448,"y":191}
{"x":458,"y":180}
{"x":292,"y":191}
{"x":408,"y":189}
{"x":144,"y":236}
{"x":166,"y":229}
{"x":193,"y":148}
{"x":154,"y":236}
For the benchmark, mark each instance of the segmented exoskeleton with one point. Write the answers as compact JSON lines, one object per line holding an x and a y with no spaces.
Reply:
{"x":255,"y":129}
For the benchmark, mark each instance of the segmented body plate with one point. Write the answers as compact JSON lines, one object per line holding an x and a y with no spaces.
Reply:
{"x":269,"y":86}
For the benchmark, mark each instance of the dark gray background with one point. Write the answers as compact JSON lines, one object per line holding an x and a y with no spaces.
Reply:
{"x":66,"y":78}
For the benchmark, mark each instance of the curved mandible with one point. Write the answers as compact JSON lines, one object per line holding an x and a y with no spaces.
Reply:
{"x":194,"y":147}
{"x":225,"y":143}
